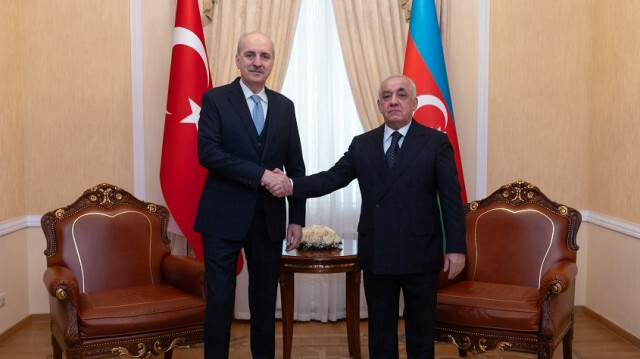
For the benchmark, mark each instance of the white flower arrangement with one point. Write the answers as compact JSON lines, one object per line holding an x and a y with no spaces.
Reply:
{"x":319,"y":238}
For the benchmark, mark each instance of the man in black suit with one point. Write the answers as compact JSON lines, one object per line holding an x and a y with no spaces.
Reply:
{"x":245,"y":129}
{"x":403,"y":170}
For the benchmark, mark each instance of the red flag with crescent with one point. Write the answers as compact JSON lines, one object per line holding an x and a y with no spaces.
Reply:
{"x":424,"y":64}
{"x":181,"y":176}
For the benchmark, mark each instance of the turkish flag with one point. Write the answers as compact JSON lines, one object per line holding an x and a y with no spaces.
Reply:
{"x":181,"y":176}
{"x":424,"y":64}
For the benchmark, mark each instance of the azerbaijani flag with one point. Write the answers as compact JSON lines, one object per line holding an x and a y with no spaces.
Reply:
{"x":424,"y":64}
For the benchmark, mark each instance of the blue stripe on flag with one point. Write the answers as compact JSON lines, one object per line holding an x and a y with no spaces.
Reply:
{"x":425,"y":33}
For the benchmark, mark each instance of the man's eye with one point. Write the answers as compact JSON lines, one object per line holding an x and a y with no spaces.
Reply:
{"x":402,"y":96}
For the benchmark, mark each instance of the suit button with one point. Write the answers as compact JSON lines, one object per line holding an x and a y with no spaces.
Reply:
{"x":377,"y":205}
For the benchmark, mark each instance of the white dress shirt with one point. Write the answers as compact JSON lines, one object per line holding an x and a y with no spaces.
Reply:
{"x":263,"y":99}
{"x":386,"y":140}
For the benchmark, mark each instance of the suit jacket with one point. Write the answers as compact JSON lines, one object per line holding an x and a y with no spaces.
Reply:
{"x":400,"y":229}
{"x":228,"y":147}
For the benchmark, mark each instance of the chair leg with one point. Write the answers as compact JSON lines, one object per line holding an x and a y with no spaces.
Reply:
{"x":168,"y":354}
{"x":462,"y":353}
{"x":545,"y":351}
{"x":567,"y":343}
{"x":57,"y":350}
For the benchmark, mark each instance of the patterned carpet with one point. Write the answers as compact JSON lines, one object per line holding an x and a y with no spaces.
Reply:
{"x":333,"y":346}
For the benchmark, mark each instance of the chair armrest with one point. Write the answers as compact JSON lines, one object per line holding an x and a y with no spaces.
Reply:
{"x":557,"y":296}
{"x":184,"y":273}
{"x":558,"y":278}
{"x":62,"y":285}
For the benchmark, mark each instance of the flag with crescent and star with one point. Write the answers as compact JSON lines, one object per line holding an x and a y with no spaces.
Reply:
{"x":424,"y":64}
{"x":181,"y":176}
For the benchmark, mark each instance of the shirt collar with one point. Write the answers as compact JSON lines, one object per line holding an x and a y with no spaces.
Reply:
{"x":247,"y":93}
{"x":403,"y":131}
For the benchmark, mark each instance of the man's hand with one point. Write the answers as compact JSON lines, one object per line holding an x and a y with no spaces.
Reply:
{"x":454,"y":264}
{"x":276,"y":182}
{"x":294,"y":235}
{"x":286,"y":182}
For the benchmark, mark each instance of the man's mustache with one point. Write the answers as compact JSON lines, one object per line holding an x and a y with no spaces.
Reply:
{"x":254,"y":68}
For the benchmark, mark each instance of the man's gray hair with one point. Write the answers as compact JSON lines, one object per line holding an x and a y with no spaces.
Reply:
{"x":239,"y":47}
{"x":412,"y":85}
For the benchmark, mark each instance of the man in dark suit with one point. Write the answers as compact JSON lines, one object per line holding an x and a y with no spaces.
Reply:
{"x":403,"y":170}
{"x":245,"y":129}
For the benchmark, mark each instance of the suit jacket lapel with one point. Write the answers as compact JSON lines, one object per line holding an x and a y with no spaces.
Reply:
{"x":411,"y":146}
{"x":375,"y":151}
{"x":239,"y":103}
{"x":273,"y":113}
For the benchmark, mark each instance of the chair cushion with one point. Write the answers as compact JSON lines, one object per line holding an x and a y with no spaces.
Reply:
{"x":138,"y":309}
{"x":490,"y":305}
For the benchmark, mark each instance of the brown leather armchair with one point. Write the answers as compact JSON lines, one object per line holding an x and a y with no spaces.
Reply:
{"x":114,"y":287}
{"x":517,"y":290}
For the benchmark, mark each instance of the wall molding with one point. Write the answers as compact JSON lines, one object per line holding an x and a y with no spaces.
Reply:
{"x":615,"y":224}
{"x":18,"y":223}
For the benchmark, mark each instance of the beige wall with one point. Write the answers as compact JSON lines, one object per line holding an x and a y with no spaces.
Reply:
{"x":613,"y":288}
{"x":539,"y":88}
{"x":75,"y":86}
{"x":564,"y":83}
{"x":11,"y":125}
{"x":66,"y":124}
{"x":614,"y":138}
{"x":462,"y":70}
{"x":66,"y":102}
{"x":14,"y":279}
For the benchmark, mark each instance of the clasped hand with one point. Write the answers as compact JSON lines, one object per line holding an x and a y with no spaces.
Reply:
{"x":276,"y":182}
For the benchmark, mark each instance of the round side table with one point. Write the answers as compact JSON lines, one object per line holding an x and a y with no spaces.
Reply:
{"x":341,"y":260}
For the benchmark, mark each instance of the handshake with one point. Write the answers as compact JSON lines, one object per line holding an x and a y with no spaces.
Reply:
{"x":277,"y":183}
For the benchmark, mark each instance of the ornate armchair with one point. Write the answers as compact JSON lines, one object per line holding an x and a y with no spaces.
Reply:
{"x":517,"y":290}
{"x":114,"y":287}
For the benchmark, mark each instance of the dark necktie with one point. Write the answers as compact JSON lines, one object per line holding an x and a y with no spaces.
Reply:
{"x":394,"y":148}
